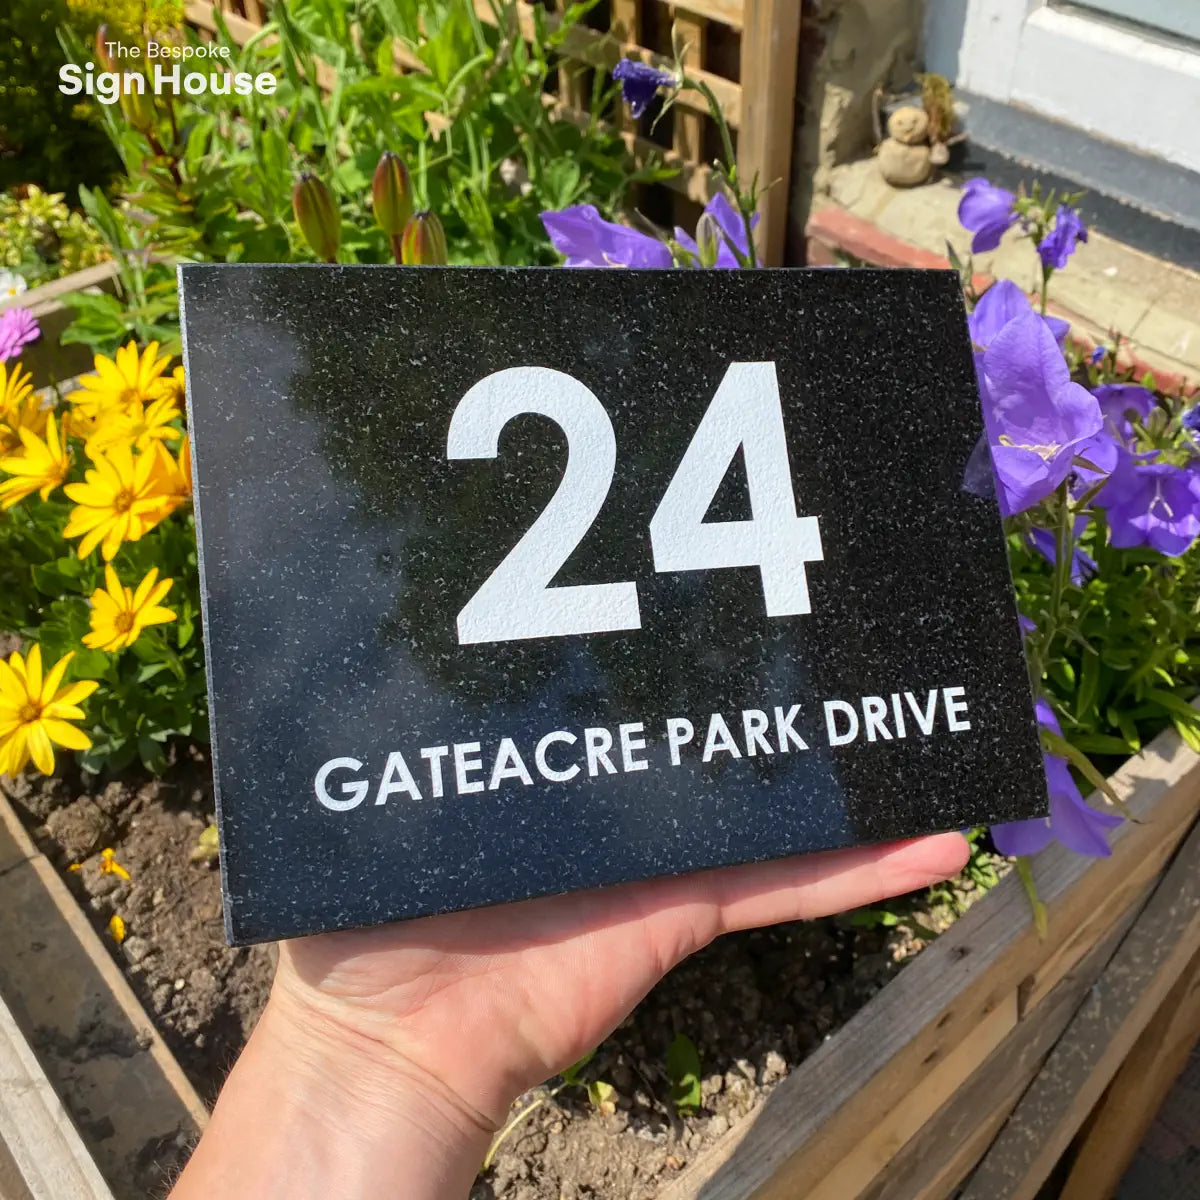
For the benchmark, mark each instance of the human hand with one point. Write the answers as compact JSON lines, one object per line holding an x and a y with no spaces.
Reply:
{"x":436,"y":1025}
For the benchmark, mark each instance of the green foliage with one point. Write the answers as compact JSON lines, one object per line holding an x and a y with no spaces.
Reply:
{"x":46,"y":137}
{"x":151,"y":692}
{"x":683,"y":1070}
{"x":1119,"y":652}
{"x":41,"y":239}
{"x":212,"y":176}
{"x":601,"y":1095}
{"x":145,"y":307}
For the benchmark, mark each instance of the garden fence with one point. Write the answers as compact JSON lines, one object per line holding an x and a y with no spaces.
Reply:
{"x":745,"y":50}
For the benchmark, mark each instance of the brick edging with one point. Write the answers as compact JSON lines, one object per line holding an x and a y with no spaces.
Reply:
{"x":832,"y":230}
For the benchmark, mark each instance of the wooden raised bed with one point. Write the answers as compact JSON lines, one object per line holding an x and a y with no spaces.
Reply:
{"x":977,"y":1066}
{"x":63,"y":998}
{"x":48,"y":360}
{"x":983,"y":1059}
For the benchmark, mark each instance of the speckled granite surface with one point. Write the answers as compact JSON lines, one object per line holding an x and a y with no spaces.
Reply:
{"x":371,"y":765}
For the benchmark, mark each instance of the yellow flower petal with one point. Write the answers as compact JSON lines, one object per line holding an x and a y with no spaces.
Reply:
{"x":63,"y":734}
{"x":40,"y":749}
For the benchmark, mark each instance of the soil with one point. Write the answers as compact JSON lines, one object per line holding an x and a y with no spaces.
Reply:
{"x":754,"y":1004}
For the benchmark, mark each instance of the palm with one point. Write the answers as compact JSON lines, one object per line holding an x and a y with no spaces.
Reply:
{"x":492,"y":1001}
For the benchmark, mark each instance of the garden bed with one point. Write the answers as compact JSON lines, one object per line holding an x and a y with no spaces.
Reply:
{"x":812,"y":1068}
{"x":755,"y":1004}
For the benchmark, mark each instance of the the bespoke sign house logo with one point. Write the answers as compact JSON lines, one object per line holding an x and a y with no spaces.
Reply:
{"x":520,"y":581}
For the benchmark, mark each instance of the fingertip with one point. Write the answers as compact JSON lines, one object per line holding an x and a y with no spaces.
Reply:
{"x":934,"y":858}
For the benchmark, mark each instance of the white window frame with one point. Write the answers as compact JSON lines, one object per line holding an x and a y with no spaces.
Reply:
{"x":1113,"y":81}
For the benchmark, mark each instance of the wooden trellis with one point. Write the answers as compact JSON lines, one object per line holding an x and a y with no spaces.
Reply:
{"x":745,"y":50}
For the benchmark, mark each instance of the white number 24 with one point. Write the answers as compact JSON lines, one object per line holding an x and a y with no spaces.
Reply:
{"x":516,"y":601}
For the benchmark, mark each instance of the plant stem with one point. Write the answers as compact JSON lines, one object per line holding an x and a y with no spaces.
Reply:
{"x":528,"y":1110}
{"x":396,"y":252}
{"x":1046,"y":273}
{"x":1027,"y":882}
{"x":745,"y":204}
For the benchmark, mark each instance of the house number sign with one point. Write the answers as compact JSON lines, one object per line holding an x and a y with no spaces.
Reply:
{"x":523,"y":581}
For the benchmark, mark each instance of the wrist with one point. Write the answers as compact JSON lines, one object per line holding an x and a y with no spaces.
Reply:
{"x":317,"y":1108}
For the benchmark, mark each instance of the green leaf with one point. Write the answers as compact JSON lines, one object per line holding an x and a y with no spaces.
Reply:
{"x":1176,"y":705}
{"x":574,"y":1073}
{"x":1060,"y":746}
{"x":603,"y":1096}
{"x":1102,"y":743}
{"x":683,"y":1070}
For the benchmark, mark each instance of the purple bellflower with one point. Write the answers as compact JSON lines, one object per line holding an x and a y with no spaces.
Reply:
{"x":1083,"y":565}
{"x":987,"y":211}
{"x":1191,"y":420}
{"x":1037,"y":419}
{"x":1003,"y":301}
{"x":1072,"y":821}
{"x":18,"y":327}
{"x":1117,"y":401}
{"x":1098,"y":356}
{"x":588,"y":240}
{"x":1152,"y":504}
{"x":640,"y":83}
{"x":1059,"y":244}
{"x":732,"y":226}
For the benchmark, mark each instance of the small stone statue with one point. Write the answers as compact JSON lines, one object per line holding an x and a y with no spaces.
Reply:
{"x":905,"y":157}
{"x":918,"y":138}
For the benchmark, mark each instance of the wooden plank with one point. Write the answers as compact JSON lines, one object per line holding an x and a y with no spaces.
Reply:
{"x":689,"y":125}
{"x":41,"y":1156}
{"x":854,"y":1174}
{"x":1137,"y":1092}
{"x":1142,"y":973}
{"x":255,"y":12}
{"x":828,"y":1106}
{"x":770,"y":47}
{"x":57,"y":980}
{"x":604,"y":50}
{"x":625,"y":25}
{"x":950,"y":1144}
{"x":727,"y":12}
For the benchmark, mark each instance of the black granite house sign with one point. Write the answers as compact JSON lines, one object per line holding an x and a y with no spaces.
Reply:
{"x":522,"y":581}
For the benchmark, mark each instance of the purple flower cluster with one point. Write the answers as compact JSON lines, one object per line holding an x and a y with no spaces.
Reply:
{"x":640,"y":83}
{"x":1059,"y":244}
{"x":1038,"y":421}
{"x":1150,"y":503}
{"x":18,"y":327}
{"x":1072,"y":821}
{"x":586,"y":239}
{"x":989,"y":212}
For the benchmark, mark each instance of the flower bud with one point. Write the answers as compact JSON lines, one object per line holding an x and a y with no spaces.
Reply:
{"x":138,"y":108}
{"x":317,"y":216}
{"x":391,"y":194}
{"x":709,"y":239}
{"x":424,"y":242}
{"x":101,"y":50}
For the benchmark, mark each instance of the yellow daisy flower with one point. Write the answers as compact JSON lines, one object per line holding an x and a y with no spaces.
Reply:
{"x":41,"y":468}
{"x":172,"y":385}
{"x":139,"y":424}
{"x":119,"y":501}
{"x":174,"y":475}
{"x":119,"y":382}
{"x":20,"y":408}
{"x":119,"y":614}
{"x":35,"y":712}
